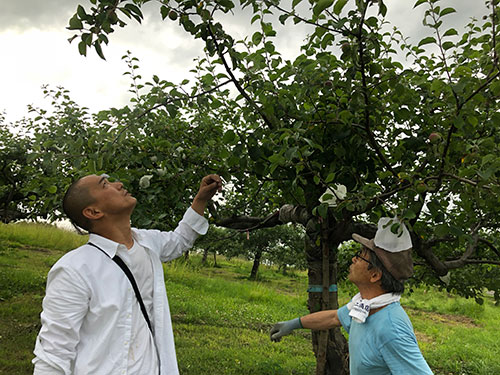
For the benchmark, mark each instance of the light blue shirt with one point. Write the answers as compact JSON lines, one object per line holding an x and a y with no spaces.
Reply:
{"x":384,"y":344}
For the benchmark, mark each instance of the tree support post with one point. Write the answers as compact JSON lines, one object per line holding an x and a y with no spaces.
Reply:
{"x":330,"y":347}
{"x":325,"y":296}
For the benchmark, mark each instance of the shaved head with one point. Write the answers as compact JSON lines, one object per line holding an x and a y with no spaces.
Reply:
{"x":77,"y":198}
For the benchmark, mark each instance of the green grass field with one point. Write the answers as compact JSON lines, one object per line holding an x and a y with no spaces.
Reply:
{"x":221,"y":319}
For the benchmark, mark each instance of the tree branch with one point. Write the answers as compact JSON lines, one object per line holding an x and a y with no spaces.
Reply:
{"x":457,"y":263}
{"x":286,"y":214}
{"x":166,"y":102}
{"x":482,"y":261}
{"x":380,"y":199}
{"x":343,"y":32}
{"x":453,"y":128}
{"x":461,"y":179}
{"x":248,"y":223}
{"x":490,"y":245}
{"x":235,"y":81}
{"x":371,"y":137}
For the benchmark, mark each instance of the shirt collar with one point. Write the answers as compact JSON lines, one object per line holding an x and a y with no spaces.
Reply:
{"x":111,"y":247}
{"x":108,"y":246}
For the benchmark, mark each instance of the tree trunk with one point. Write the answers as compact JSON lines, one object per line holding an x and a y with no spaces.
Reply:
{"x":256,"y":264}
{"x":337,"y":355}
{"x":284,"y":269}
{"x":205,"y":256}
{"x":337,"y":362}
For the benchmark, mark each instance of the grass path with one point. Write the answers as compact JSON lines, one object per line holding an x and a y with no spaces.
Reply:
{"x":221,"y":319}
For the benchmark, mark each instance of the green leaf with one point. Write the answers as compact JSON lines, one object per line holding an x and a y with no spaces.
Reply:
{"x":448,"y":45}
{"x":495,"y":88}
{"x":172,"y":110}
{"x":82,"y":48}
{"x":255,"y":18}
{"x":450,"y":32}
{"x":267,"y":28}
{"x":427,"y":40}
{"x":446,"y":11}
{"x":228,"y":4}
{"x":164,"y":12}
{"x":436,"y":86}
{"x":256,"y":38}
{"x":330,"y":178}
{"x":339,"y":5}
{"x":295,"y":3}
{"x":277,"y":159}
{"x":98,"y":49}
{"x":382,"y":8}
{"x":419,"y":2}
{"x":321,"y":6}
{"x":52,"y":189}
{"x":283,"y":18}
{"x":229,"y":137}
{"x":327,"y":40}
{"x":323,"y":210}
{"x":372,"y":21}
{"x":409,"y":214}
{"x":75,"y":23}
{"x":472,"y":120}
{"x":81,"y":12}
{"x":134,"y":9}
{"x":395,"y":228}
{"x":87,"y":38}
{"x":441,"y":230}
{"x":456,"y":231}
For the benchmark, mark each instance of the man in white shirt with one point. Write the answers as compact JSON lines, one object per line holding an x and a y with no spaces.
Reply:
{"x":92,"y":320}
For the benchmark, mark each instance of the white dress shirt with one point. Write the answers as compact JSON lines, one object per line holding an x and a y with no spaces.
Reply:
{"x":90,"y":309}
{"x":142,"y":355}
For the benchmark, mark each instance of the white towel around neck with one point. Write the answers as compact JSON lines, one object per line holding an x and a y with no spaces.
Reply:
{"x":359,"y":308}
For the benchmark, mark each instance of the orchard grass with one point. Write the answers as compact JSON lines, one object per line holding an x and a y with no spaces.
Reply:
{"x":221,"y":319}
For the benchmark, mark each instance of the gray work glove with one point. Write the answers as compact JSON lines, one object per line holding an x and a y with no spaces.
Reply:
{"x":284,"y":328}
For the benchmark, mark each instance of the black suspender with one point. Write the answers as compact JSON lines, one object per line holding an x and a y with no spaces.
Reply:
{"x":119,"y":261}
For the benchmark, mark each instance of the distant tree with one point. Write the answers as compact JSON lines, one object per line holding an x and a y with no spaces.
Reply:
{"x":13,"y":173}
{"x":288,"y":252}
{"x":218,"y":241}
{"x":159,"y":156}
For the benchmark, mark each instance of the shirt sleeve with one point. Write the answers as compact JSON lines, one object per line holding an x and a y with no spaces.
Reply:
{"x":43,"y":368}
{"x":345,"y":319}
{"x":171,"y":245}
{"x":402,"y":355}
{"x":64,"y":307}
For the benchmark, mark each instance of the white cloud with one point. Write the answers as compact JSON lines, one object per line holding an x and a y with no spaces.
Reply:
{"x":35,"y":50}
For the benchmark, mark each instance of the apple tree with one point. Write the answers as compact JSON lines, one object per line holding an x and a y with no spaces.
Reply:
{"x":408,"y":130}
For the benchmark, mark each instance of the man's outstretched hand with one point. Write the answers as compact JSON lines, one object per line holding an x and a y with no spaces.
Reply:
{"x":284,"y":328}
{"x":209,"y":186}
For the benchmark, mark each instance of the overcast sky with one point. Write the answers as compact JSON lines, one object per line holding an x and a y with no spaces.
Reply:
{"x":35,"y":50}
